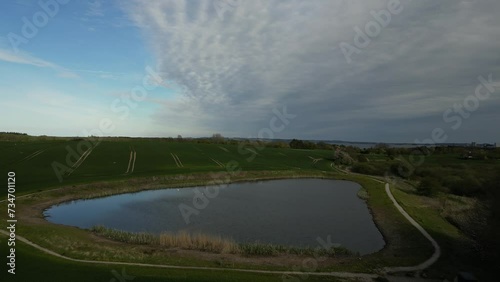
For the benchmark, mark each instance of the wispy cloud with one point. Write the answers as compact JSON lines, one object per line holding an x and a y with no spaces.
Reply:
{"x":95,"y":9}
{"x":24,"y":58}
{"x":28,"y":59}
{"x":267,"y":53}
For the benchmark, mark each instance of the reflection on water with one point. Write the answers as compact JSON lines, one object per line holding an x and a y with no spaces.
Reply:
{"x":290,"y":212}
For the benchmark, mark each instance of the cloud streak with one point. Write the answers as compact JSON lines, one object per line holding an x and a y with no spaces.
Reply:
{"x":28,"y":59}
{"x":263,"y":54}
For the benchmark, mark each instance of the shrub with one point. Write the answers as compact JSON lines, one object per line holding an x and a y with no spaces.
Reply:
{"x":402,"y":170}
{"x":468,"y":185}
{"x":428,"y":187}
{"x":362,"y":159}
{"x":371,"y":168}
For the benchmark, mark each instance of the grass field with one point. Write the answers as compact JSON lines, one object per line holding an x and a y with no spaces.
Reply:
{"x":119,"y":166}
{"x":37,"y":266}
{"x":110,"y":160}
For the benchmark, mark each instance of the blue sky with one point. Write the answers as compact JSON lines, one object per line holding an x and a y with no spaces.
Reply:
{"x":224,"y":66}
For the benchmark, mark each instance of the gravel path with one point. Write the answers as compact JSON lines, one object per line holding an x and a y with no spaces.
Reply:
{"x":437,"y":249}
{"x":363,"y":276}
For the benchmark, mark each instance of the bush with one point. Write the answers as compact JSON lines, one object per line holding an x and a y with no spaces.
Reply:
{"x":362,"y":159}
{"x":366,"y":168}
{"x":468,"y":185}
{"x":402,"y":170}
{"x":428,"y":187}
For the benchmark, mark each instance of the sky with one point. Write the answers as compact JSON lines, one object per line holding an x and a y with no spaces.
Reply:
{"x":381,"y":70}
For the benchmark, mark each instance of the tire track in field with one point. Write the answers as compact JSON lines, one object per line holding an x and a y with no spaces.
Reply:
{"x":131,"y":161}
{"x":82,"y":158}
{"x":177,"y":160}
{"x":224,"y":149}
{"x":253,"y":151}
{"x":314,"y":161}
{"x":32,"y":155}
{"x":217,"y":162}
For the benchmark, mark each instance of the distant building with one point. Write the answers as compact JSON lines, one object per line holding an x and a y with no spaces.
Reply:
{"x":489,"y":146}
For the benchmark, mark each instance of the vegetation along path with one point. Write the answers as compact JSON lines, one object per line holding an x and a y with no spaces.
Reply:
{"x":419,"y":267}
{"x":364,"y":276}
{"x":437,"y":249}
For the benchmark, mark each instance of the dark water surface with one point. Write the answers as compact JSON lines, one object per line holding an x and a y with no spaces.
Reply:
{"x":289,"y":212}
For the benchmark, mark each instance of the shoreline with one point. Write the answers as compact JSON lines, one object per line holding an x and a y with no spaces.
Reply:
{"x":34,"y":206}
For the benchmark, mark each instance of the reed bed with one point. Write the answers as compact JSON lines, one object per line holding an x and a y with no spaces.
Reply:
{"x":214,"y":244}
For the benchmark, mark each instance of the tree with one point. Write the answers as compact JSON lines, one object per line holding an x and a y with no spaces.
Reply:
{"x":296,"y":144}
{"x":342,"y":158}
{"x":217,"y":138}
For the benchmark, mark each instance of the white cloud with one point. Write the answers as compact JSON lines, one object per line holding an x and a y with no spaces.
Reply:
{"x":95,"y":9}
{"x":266,"y":53}
{"x":24,"y":58}
{"x":28,"y":59}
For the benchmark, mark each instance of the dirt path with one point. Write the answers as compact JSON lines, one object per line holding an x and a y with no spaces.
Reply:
{"x":338,"y":169}
{"x":363,"y":276}
{"x":437,"y":249}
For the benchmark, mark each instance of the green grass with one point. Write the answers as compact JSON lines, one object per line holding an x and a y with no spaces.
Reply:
{"x":33,"y":265}
{"x":103,"y":173}
{"x":457,"y":249}
{"x":109,"y":160}
{"x":77,"y":243}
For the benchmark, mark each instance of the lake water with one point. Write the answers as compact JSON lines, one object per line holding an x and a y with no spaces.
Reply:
{"x":289,"y":212}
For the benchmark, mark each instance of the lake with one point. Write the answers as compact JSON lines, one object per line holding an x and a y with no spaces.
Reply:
{"x":289,"y":212}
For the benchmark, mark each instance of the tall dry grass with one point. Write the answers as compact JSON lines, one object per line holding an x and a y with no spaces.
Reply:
{"x":202,"y":242}
{"x":213,"y":243}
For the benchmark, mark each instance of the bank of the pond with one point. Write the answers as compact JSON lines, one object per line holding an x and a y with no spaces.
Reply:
{"x":215,"y":244}
{"x":82,"y":244}
{"x":289,"y":212}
